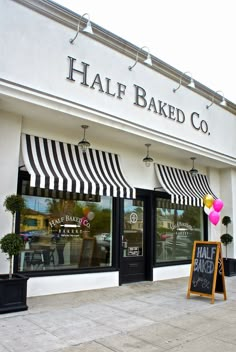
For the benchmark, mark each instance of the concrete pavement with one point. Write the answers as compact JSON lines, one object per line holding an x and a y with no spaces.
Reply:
{"x":145,"y":316}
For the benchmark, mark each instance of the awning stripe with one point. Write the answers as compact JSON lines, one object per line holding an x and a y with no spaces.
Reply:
{"x":101,"y":169}
{"x":182,"y":186}
{"x":64,"y":167}
{"x":104,"y":183}
{"x":94,"y":181}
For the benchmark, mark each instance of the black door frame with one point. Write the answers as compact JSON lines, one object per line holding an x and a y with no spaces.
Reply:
{"x":148,"y":220}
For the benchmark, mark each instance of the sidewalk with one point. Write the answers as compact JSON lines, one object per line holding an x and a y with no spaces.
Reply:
{"x":146,"y":317}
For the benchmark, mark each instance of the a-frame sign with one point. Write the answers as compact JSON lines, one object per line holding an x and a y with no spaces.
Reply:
{"x":207,"y":270}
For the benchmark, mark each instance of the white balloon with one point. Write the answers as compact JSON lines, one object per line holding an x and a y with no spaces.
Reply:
{"x":208,"y":210}
{"x":91,"y":215}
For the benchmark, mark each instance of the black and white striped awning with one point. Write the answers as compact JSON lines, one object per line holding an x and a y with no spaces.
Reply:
{"x":182,"y":186}
{"x":64,"y":167}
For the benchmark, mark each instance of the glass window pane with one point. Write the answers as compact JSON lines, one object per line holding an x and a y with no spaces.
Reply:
{"x":177,"y":227}
{"x":132,"y":238}
{"x":56,"y":232}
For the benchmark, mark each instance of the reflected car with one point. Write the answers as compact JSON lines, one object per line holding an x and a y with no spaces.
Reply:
{"x":103,"y":248}
{"x":177,"y":246}
{"x":107,"y":237}
{"x":103,"y":237}
{"x":29,"y":235}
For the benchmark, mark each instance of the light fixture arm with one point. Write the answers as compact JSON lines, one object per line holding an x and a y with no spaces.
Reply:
{"x":137,"y":56}
{"x":212,"y":102}
{"x":85,"y":128}
{"x":223,"y":102}
{"x":148,"y":146}
{"x":78,"y":27}
{"x":181,"y":78}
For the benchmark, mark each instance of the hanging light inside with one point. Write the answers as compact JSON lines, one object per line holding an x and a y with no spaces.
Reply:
{"x":193,"y":171}
{"x":147,"y":160}
{"x":84,"y":144}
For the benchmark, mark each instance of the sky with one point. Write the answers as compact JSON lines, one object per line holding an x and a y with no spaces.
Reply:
{"x":196,"y":36}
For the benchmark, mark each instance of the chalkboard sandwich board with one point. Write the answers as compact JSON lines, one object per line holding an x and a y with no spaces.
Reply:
{"x":207,"y":270}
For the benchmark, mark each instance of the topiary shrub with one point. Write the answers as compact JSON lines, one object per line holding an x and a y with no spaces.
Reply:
{"x":226,"y":238}
{"x":12,"y":243}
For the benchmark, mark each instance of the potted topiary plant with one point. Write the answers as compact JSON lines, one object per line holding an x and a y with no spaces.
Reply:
{"x":226,"y":239}
{"x":13,"y":287}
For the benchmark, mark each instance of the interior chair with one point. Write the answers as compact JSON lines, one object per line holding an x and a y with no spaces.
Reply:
{"x":51,"y":256}
{"x":37,"y":260}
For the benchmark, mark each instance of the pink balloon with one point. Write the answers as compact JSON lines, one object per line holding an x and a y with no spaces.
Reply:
{"x":214,"y":217}
{"x":218,"y":205}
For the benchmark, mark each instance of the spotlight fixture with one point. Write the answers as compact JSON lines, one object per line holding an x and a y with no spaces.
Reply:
{"x":223,"y":101}
{"x":147,"y":160}
{"x":193,"y":171}
{"x":191,"y":83}
{"x":84,"y":144}
{"x":148,"y":60}
{"x":87,"y":28}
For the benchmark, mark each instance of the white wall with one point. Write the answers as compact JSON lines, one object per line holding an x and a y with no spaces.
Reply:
{"x":232,"y":227}
{"x":171,"y":272}
{"x":228,"y":187}
{"x":9,"y":158}
{"x":41,"y":51}
{"x":49,"y":285}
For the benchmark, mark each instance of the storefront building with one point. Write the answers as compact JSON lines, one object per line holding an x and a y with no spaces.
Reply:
{"x":99,"y":217}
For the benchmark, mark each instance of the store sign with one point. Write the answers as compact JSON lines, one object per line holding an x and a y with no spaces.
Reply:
{"x":181,"y":225}
{"x":68,"y":226}
{"x":68,"y":219}
{"x":141,"y":98}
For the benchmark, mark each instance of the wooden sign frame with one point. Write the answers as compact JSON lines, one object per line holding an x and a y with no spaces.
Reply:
{"x":207,"y":270}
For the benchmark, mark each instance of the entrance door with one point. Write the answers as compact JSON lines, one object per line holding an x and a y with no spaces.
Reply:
{"x":133,"y":266}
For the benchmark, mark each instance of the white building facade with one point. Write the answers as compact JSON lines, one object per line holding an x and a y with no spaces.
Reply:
{"x":142,"y":221}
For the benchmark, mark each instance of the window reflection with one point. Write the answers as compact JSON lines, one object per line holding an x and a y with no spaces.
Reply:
{"x":132,"y":238}
{"x":177,"y":227}
{"x":56,"y":233}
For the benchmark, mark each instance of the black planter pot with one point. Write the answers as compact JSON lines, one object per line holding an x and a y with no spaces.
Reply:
{"x":229,"y":266}
{"x":13,"y":293}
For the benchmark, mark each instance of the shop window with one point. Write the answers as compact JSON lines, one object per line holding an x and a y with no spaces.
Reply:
{"x":69,"y":234}
{"x":177,"y":227}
